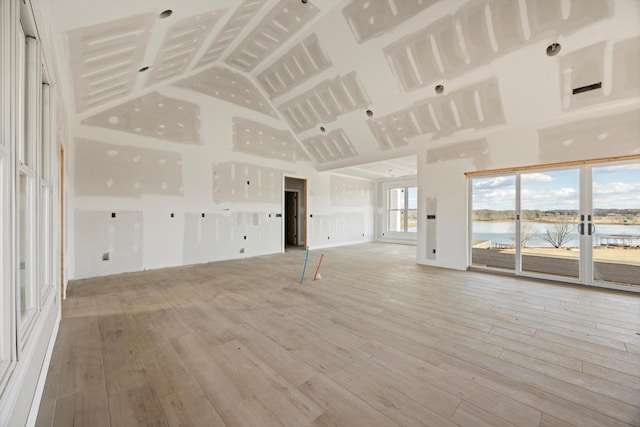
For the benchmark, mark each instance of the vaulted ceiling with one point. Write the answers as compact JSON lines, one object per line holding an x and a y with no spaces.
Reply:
{"x":348,"y":81}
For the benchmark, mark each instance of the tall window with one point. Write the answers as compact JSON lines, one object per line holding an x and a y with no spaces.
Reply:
{"x":402,"y":211}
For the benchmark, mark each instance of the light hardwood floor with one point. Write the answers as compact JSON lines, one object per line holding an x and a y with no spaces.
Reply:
{"x":378,"y":341}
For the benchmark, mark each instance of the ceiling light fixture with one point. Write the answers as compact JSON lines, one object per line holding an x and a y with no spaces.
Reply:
{"x":166,"y":13}
{"x":369,"y":113}
{"x":143,"y":69}
{"x":304,"y":1}
{"x":322,"y":129}
{"x":553,"y":49}
{"x":439,"y":89}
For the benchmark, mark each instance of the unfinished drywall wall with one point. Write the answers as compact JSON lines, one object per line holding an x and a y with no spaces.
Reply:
{"x":104,"y":169}
{"x":477,"y":151}
{"x":107,"y":242}
{"x":223,"y":199}
{"x":442,"y":181}
{"x":245,"y":182}
{"x":351,"y":191}
{"x":593,"y":138}
{"x":153,"y":115}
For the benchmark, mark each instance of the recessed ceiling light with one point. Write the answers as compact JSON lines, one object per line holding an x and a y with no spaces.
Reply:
{"x":166,"y":13}
{"x":553,"y":49}
{"x":143,"y":69}
{"x":369,"y":113}
{"x":322,"y":129}
{"x":439,"y":89}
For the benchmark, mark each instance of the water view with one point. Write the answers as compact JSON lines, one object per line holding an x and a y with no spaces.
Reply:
{"x":502,"y":233}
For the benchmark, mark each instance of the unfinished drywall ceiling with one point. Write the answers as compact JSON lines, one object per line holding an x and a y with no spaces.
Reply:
{"x":104,"y":59}
{"x":284,"y":20}
{"x":229,"y":86}
{"x":153,"y":115}
{"x":264,"y":141}
{"x":180,"y":45}
{"x":354,"y":80}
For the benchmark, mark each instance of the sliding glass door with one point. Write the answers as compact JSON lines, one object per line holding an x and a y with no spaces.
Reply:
{"x":549,"y":221}
{"x":579,"y":224}
{"x":615,"y":225}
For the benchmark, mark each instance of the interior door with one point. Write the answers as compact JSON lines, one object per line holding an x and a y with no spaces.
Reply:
{"x":291,"y":217}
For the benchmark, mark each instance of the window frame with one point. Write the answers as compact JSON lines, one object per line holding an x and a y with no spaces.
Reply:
{"x":387,"y":188}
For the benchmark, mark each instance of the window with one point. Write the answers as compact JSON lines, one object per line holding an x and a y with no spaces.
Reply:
{"x":402,"y":211}
{"x":5,"y":277}
{"x":44,"y":211}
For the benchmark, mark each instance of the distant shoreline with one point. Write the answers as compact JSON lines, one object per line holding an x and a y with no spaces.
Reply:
{"x":550,"y":221}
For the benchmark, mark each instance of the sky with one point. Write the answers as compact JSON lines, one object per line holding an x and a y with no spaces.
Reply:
{"x":614,"y":187}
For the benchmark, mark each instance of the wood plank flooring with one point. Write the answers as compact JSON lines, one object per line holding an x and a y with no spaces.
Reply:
{"x":378,"y":341}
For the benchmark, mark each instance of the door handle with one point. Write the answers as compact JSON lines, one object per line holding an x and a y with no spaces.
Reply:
{"x":581,"y":228}
{"x":592,"y":229}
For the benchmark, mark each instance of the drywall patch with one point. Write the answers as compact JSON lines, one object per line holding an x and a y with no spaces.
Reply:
{"x":477,"y":150}
{"x":325,"y":102}
{"x":205,"y":236}
{"x":547,"y":18}
{"x":479,"y":33}
{"x":506,"y":25}
{"x":180,"y":45}
{"x":279,"y":25}
{"x":104,"y":59}
{"x":240,"y":18}
{"x":369,"y":19}
{"x":260,"y":140}
{"x":326,"y":148}
{"x":217,"y":235}
{"x":626,"y":68}
{"x":303,"y":61}
{"x":395,"y":129}
{"x":244,"y":182}
{"x":341,"y":227}
{"x":230,"y":86}
{"x":477,"y":106}
{"x":608,"y":136}
{"x":110,"y":170}
{"x":155,"y":116}
{"x":97,"y":233}
{"x":351,"y":192}
{"x":583,"y":67}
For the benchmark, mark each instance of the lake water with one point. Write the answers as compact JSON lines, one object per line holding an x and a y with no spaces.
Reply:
{"x":502,"y":232}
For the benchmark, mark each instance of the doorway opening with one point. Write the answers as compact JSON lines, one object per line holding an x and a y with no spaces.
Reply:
{"x":295,"y":224}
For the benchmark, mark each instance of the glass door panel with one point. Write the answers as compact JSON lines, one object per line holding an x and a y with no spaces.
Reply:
{"x":493,"y":225}
{"x":616,"y":223}
{"x":549,"y":219}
